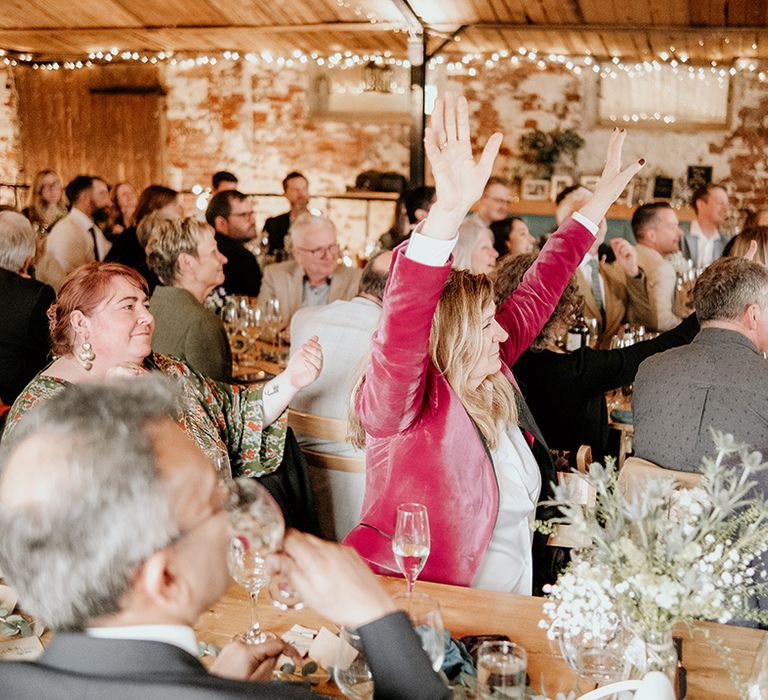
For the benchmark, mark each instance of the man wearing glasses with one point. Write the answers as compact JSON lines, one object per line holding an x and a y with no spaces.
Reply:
{"x":120,"y":546}
{"x":314,"y":277}
{"x":231,"y":214}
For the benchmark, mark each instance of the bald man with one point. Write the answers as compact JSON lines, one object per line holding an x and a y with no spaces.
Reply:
{"x":345,"y":329}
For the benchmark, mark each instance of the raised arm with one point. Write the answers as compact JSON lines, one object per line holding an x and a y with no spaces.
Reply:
{"x":525,"y":312}
{"x":392,"y":394}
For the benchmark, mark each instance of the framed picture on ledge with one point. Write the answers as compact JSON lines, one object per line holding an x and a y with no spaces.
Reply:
{"x":534,"y":189}
{"x":559,"y":183}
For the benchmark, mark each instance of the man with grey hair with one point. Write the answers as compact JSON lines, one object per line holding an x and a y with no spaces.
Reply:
{"x":120,"y":545}
{"x":719,"y":381}
{"x":344,"y":329}
{"x":25,"y":340}
{"x":314,"y":277}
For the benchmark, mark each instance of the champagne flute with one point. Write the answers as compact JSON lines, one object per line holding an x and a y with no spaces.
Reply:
{"x":424,"y":614}
{"x":410,"y":544}
{"x":248,"y":569}
{"x":257,"y":517}
{"x":273,"y":322}
{"x":354,"y":678}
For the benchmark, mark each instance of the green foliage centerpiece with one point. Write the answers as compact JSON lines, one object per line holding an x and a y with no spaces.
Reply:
{"x":658,"y":557}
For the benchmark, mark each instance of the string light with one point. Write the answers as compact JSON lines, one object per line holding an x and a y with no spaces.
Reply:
{"x":468,"y":63}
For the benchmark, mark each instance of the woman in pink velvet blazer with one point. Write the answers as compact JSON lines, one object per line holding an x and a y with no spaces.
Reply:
{"x":439,"y":353}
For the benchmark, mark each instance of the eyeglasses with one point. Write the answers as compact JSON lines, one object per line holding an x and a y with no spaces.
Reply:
{"x":319,"y":253}
{"x":233,"y":493}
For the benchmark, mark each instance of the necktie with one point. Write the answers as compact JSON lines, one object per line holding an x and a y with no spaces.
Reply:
{"x":594,"y":283}
{"x":95,"y":244}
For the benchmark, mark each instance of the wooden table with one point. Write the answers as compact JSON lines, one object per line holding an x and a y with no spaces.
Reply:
{"x":472,"y":611}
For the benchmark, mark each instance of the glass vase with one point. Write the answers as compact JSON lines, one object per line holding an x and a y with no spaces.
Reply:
{"x":652,"y":650}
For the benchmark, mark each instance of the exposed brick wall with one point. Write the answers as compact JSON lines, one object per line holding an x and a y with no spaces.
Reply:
{"x":515,"y":100}
{"x":255,"y":120}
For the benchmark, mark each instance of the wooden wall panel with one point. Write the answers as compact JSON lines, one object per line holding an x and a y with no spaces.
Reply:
{"x":66,"y":126}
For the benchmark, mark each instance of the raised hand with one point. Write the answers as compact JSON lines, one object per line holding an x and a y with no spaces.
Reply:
{"x":459,"y":180}
{"x":613,"y":180}
{"x":626,"y":256}
{"x":305,"y":365}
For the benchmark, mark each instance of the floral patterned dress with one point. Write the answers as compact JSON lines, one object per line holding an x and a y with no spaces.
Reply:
{"x":223,"y":419}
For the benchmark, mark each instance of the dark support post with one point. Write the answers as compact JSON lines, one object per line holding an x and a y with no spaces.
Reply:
{"x":417,"y":49}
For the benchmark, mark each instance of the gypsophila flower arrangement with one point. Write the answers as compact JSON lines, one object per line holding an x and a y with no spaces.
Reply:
{"x":662,"y":556}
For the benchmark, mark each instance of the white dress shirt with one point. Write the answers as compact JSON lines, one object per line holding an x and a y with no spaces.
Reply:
{"x":705,"y":248}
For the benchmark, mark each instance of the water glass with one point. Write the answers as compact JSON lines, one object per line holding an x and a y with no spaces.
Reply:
{"x":757,"y":685}
{"x":501,"y":671}
{"x":354,"y":680}
{"x":410,"y":545}
{"x":424,"y":614}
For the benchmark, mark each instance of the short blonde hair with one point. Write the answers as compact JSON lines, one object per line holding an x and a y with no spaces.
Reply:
{"x":168,"y":240}
{"x":469,"y":234}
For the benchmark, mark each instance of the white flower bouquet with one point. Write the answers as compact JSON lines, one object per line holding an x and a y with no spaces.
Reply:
{"x":662,"y":556}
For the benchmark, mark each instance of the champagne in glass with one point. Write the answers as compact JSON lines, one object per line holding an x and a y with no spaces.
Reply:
{"x":247,"y":568}
{"x":410,"y":544}
{"x":258,"y":518}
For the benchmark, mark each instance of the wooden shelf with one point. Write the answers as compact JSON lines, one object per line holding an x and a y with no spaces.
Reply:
{"x":617,"y":211}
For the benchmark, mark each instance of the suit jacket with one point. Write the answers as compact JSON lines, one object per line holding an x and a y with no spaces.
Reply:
{"x":76,"y":667}
{"x":69,"y":245}
{"x":421,"y":444}
{"x":242,"y":274}
{"x":662,"y":289}
{"x":566,"y":391}
{"x":285,"y":282}
{"x":718,"y":381}
{"x":345,"y":329}
{"x":277,"y":229}
{"x":184,"y":328}
{"x":24,"y":339}
{"x":626,"y":301}
{"x":689,"y":245}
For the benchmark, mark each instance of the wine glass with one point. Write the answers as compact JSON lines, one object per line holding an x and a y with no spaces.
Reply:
{"x":248,"y":569}
{"x":273,"y":323}
{"x":255,"y":516}
{"x":757,"y":685}
{"x":424,"y":614}
{"x":354,"y":679}
{"x":410,"y":544}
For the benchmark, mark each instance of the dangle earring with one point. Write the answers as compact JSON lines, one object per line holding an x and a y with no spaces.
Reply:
{"x":86,"y":356}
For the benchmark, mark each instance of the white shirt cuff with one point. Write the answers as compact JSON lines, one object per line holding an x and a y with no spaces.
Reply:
{"x":429,"y":251}
{"x":585,"y":222}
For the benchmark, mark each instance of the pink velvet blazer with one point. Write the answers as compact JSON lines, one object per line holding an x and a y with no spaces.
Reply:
{"x":421,"y":444}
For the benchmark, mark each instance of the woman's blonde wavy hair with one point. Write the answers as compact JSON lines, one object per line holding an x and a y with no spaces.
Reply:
{"x":455,"y":343}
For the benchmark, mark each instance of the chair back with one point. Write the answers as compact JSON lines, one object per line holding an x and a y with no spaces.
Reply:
{"x":636,"y":471}
{"x":338,"y":481}
{"x":323,"y":428}
{"x":582,"y":492}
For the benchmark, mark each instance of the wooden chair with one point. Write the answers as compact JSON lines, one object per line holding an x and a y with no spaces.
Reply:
{"x":338,"y":481}
{"x":636,"y":471}
{"x":583,"y":493}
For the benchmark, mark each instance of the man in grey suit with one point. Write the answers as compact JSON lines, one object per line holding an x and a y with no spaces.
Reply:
{"x":718,"y":381}
{"x":313,"y":277}
{"x":120,"y":543}
{"x":704,"y":242}
{"x":344,"y":329}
